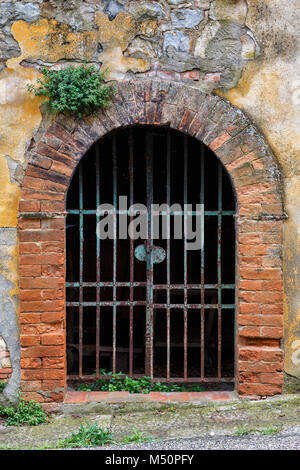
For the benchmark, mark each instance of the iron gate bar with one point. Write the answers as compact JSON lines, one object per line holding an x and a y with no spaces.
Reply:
{"x":115,"y":197}
{"x":155,"y":286}
{"x":149,"y":245}
{"x":185,"y":319}
{"x":168,"y":187}
{"x":131,"y":191}
{"x":98,"y":274}
{"x":202,"y":201}
{"x":125,"y":212}
{"x":219,"y":266}
{"x":139,"y":303}
{"x":150,"y":286}
{"x":81,"y":270}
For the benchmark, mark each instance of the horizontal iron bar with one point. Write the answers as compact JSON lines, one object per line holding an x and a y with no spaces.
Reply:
{"x":127,"y":212}
{"x":155,"y":287}
{"x":142,"y":303}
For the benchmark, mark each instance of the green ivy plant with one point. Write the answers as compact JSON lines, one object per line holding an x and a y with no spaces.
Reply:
{"x":25,"y":412}
{"x":90,"y":435}
{"x":2,"y":385}
{"x":73,"y":90}
{"x":116,"y":382}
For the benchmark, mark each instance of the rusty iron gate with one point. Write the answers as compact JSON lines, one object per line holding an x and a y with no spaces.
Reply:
{"x":151,"y":307}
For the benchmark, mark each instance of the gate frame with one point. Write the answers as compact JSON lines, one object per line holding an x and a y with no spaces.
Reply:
{"x":255,"y":177}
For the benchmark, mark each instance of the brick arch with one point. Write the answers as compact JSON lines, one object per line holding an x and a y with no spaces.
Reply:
{"x":252,"y":168}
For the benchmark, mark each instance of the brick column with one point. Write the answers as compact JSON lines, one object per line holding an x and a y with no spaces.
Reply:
{"x":42,"y":313}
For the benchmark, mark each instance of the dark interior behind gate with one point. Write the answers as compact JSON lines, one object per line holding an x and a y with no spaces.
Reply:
{"x":176,"y":323}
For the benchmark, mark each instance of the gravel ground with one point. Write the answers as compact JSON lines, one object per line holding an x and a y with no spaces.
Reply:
{"x":288,"y":440}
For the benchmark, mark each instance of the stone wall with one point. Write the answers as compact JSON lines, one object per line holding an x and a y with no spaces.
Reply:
{"x":5,"y":362}
{"x":245,"y":51}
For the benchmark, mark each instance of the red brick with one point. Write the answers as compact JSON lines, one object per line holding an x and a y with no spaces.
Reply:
{"x":53,"y":247}
{"x":271,"y":378}
{"x":29,"y":340}
{"x":259,"y":389}
{"x":271,"y":332}
{"x":53,"y":317}
{"x":41,"y":328}
{"x":53,"y":271}
{"x":32,"y":386}
{"x":219,"y":141}
{"x":260,"y":366}
{"x":249,"y":331}
{"x":30,"y":318}
{"x":42,"y":259}
{"x":252,"y":308}
{"x":31,"y":248}
{"x":43,"y":351}
{"x":261,"y":320}
{"x":52,"y":384}
{"x":261,"y":297}
{"x":32,"y":183}
{"x":45,"y":235}
{"x":52,"y":294}
{"x":30,"y":294}
{"x":52,"y":206}
{"x":29,"y":363}
{"x":76,"y":397}
{"x":29,"y":224}
{"x":53,"y":362}
{"x":263,"y":274}
{"x":53,"y":339}
{"x":41,"y":283}
{"x":33,"y":396}
{"x":29,"y":206}
{"x":272,"y":309}
{"x":42,"y":306}
{"x":36,"y":374}
{"x":30,"y":271}
{"x":56,"y":223}
{"x":250,"y":285}
{"x":190,"y":75}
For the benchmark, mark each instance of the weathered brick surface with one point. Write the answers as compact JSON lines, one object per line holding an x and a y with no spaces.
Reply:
{"x":259,"y":228}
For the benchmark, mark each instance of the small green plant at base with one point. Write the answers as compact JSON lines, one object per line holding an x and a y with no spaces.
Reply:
{"x":136,"y":436}
{"x":116,"y":382}
{"x":269,"y":431}
{"x":89,"y":435}
{"x":244,"y":431}
{"x":73,"y":90}
{"x":25,"y":412}
{"x":2,"y":385}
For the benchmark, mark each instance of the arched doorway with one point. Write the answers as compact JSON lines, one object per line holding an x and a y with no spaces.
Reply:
{"x":161,"y":305}
{"x":53,"y":159}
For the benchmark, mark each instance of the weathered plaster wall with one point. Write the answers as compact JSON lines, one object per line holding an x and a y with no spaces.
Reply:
{"x":244,"y":50}
{"x":269,"y":92}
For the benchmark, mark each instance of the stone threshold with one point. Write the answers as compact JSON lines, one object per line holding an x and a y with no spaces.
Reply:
{"x":157,"y":397}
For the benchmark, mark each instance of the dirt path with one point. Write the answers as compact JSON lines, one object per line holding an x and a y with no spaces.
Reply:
{"x":168,"y":422}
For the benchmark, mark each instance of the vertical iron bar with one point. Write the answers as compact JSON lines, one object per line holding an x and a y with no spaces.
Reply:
{"x":168,"y":247}
{"x":219,"y":268}
{"x":97,"y":262}
{"x":202,"y":201}
{"x":131,"y":190}
{"x":149,"y":245}
{"x":80,"y":269}
{"x":185,"y":200}
{"x":114,"y":153}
